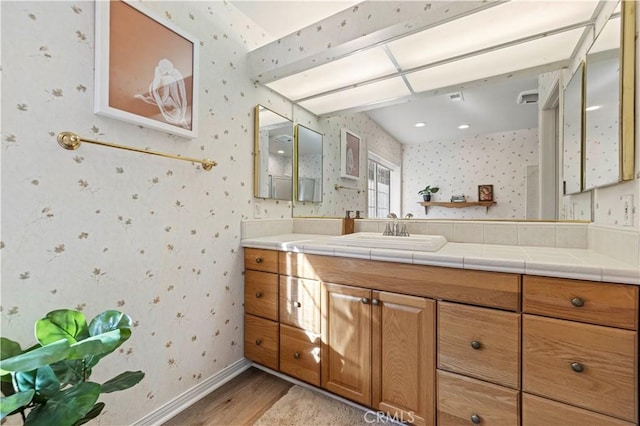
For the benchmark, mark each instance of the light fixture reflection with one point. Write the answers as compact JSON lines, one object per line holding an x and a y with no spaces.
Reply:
{"x":420,"y":124}
{"x":593,"y":108}
{"x":463,"y":126}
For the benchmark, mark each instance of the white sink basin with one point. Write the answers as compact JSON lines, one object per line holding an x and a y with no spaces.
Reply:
{"x":372,"y":239}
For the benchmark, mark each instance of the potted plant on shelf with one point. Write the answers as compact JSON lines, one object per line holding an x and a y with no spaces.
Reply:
{"x":427,"y":191}
{"x":48,"y":383}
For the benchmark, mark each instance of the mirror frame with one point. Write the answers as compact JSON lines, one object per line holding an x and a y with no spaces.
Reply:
{"x":627,"y":91}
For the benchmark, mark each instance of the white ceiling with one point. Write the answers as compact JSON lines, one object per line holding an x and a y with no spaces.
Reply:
{"x":400,"y":82}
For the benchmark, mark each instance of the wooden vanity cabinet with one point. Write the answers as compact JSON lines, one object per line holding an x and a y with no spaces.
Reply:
{"x":580,"y":347}
{"x":262,"y":335}
{"x":379,"y":350}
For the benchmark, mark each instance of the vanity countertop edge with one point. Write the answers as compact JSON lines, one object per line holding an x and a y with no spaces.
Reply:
{"x":582,"y":264}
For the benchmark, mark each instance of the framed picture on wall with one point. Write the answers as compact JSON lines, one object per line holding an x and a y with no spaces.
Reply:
{"x":145,"y":69}
{"x":349,"y":155}
{"x":485,"y":192}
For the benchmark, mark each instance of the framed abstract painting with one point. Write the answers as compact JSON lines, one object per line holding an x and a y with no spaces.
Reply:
{"x":349,"y":155}
{"x":145,"y":69}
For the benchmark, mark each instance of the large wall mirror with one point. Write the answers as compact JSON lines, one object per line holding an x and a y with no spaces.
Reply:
{"x":273,"y":155}
{"x":609,"y":133}
{"x":308,"y":164}
{"x":572,"y":119}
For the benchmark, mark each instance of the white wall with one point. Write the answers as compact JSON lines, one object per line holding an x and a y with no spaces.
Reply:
{"x":457,"y":167}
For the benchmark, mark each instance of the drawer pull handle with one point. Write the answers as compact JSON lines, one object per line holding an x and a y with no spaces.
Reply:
{"x":296,"y":355}
{"x":475,"y":344}
{"x":258,"y":295}
{"x":365,"y":300}
{"x":375,"y":302}
{"x":258,"y":342}
{"x":298,"y":305}
{"x":475,"y":419}
{"x":577,"y":302}
{"x":258,"y":260}
{"x":577,"y":367}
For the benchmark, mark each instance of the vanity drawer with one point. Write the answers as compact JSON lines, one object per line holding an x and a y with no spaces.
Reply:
{"x":590,"y":366}
{"x":615,"y":305}
{"x":538,"y":411}
{"x":300,"y":303}
{"x":300,"y":354}
{"x":261,"y":294}
{"x":479,"y":342}
{"x":464,"y":401}
{"x":261,"y":260}
{"x":261,"y":341}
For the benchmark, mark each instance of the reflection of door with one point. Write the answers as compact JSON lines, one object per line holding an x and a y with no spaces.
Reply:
{"x":548,"y":189}
{"x":281,"y":187}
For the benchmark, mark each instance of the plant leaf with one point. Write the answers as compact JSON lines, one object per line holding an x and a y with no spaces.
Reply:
{"x":109,"y":321}
{"x":122,"y":381}
{"x":62,"y":324}
{"x":11,"y":403}
{"x":43,"y":380}
{"x":101,"y":344}
{"x":9,"y":348}
{"x":95,"y":412}
{"x":36,"y":358}
{"x":66,"y":407}
{"x":70,"y":372}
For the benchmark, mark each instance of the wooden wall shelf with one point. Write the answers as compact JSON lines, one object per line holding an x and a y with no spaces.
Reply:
{"x":428,"y":204}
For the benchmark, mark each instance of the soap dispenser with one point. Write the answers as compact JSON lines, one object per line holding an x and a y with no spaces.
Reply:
{"x":348,"y":224}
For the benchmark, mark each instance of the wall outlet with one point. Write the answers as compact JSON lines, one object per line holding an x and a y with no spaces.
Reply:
{"x":627,"y":210}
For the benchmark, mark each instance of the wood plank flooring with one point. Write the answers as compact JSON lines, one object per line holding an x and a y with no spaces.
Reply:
{"x":242,"y":401}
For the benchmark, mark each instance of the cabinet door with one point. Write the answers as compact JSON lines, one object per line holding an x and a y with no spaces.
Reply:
{"x":403,"y":352}
{"x":346,"y":342}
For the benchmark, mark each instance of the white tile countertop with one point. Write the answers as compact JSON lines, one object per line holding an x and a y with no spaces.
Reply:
{"x":575,"y":263}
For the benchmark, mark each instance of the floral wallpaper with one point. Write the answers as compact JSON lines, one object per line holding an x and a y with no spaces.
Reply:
{"x":99,"y":228}
{"x":457,"y":167}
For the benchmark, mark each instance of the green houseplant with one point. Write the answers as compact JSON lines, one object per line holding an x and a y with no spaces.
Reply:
{"x":48,"y":383}
{"x":427,"y":191}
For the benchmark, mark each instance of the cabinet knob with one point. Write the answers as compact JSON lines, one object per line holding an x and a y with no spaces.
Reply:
{"x":258,"y":342}
{"x":577,"y":367}
{"x":475,"y":344}
{"x":375,"y":302}
{"x":365,"y":300}
{"x":258,"y":260}
{"x":475,"y":419}
{"x":298,"y":305}
{"x":577,"y":302}
{"x":296,"y":355}
{"x":258,"y":295}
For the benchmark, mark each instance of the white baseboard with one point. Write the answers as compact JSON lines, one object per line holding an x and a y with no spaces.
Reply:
{"x":193,"y":395}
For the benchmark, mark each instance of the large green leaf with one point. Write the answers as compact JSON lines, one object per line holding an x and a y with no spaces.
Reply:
{"x":9,"y":348}
{"x":122,"y":381}
{"x":95,"y":412}
{"x":111,"y":320}
{"x":43,"y":380}
{"x":36,"y":358}
{"x":66,"y":407}
{"x":11,"y":403}
{"x":101,"y":344}
{"x":70,"y":372}
{"x":62,"y":324}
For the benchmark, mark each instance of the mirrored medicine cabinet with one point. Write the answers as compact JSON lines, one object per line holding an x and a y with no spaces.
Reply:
{"x":273,"y":155}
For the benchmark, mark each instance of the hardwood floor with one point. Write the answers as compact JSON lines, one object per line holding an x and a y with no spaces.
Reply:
{"x":242,"y":401}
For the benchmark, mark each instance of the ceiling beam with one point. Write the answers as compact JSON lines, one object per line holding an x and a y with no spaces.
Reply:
{"x":363,"y":26}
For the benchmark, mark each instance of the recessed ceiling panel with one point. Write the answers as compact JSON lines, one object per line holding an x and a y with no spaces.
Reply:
{"x":352,"y":69}
{"x":522,"y":56}
{"x":365,"y":95}
{"x":499,"y":24}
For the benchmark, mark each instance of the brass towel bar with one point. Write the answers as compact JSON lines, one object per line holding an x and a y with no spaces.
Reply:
{"x":71,"y":141}
{"x":339,"y":187}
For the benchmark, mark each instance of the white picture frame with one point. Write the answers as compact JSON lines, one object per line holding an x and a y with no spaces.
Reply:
{"x":350,"y":152}
{"x":146,"y":69}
